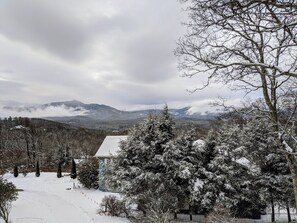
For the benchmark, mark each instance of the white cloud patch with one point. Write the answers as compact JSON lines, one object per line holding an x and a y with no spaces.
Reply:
{"x":41,"y":112}
{"x":205,"y":106}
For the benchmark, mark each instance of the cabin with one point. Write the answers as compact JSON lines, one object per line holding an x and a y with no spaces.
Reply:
{"x":108,"y":149}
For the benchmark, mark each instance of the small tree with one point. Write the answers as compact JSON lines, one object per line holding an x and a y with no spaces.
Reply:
{"x":8,"y":195}
{"x":15,"y":171}
{"x":59,"y":172}
{"x":37,"y":174}
{"x":73,"y":169}
{"x":88,"y":175}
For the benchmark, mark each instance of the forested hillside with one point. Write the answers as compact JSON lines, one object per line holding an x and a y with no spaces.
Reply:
{"x":25,"y":141}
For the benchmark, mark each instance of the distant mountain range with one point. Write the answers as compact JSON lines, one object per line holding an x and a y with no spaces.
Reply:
{"x":86,"y":115}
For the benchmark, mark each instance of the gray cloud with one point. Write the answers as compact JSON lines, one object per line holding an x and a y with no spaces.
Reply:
{"x":10,"y":88}
{"x":113,"y":52}
{"x":43,"y":25}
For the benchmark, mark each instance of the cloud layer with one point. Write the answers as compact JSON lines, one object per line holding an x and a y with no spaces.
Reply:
{"x":50,"y":111}
{"x":113,"y":52}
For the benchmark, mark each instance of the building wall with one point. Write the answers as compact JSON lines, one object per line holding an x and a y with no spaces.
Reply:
{"x":102,"y":173}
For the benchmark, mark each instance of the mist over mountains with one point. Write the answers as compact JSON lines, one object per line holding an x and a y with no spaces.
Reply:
{"x":91,"y":115}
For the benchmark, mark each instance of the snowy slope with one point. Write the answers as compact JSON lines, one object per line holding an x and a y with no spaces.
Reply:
{"x":49,"y":199}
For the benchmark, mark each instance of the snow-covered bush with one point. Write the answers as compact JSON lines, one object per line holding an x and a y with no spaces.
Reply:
{"x":113,"y":206}
{"x":220,"y":214}
{"x":8,"y":194}
{"x":88,"y":175}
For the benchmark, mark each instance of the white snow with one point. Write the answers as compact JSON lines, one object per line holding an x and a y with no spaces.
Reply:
{"x":244,"y":161}
{"x":110,"y":146}
{"x":48,"y":199}
{"x":185,"y":173}
{"x":199,"y":143}
{"x":287,"y":147}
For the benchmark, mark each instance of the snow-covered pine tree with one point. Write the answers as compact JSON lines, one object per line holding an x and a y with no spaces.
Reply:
{"x":151,"y":168}
{"x":180,"y":159}
{"x":242,"y":171}
{"x":210,"y":179}
{"x":222,"y":178}
{"x":273,"y":177}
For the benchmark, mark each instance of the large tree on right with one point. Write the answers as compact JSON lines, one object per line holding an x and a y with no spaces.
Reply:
{"x":250,"y":45}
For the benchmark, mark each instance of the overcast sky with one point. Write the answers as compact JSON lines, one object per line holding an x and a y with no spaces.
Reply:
{"x":113,"y":52}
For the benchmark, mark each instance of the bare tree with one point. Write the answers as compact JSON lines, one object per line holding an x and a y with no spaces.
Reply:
{"x":250,"y":45}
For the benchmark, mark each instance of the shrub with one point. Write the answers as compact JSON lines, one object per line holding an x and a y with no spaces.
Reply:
{"x":15,"y":171}
{"x":220,"y":214}
{"x":73,"y":169}
{"x":59,"y":172}
{"x":88,"y":175}
{"x":37,"y":173}
{"x":113,"y":206}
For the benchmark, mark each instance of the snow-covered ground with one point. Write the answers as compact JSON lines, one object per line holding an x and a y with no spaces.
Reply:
{"x":48,"y":199}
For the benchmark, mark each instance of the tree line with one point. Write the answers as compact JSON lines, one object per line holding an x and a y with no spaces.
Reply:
{"x":24,"y":142}
{"x":238,"y":165}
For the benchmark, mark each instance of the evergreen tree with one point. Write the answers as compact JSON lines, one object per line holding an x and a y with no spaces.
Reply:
{"x":88,"y":175}
{"x":153,"y":167}
{"x":223,"y":177}
{"x":37,"y":173}
{"x":73,"y":169}
{"x":15,"y":171}
{"x":211,"y":178}
{"x":59,"y":172}
{"x":272,"y":176}
{"x":255,"y":171}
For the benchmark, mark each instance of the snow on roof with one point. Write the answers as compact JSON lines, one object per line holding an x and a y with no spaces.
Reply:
{"x":110,"y":146}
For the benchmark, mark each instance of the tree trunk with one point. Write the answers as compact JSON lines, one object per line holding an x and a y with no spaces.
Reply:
{"x":272,"y":211}
{"x":288,"y":212}
{"x":293,"y":169}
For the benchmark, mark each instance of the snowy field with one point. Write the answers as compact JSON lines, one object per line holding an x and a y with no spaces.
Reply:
{"x":48,"y":199}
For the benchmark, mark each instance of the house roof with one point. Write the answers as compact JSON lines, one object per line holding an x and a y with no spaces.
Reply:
{"x":110,"y":146}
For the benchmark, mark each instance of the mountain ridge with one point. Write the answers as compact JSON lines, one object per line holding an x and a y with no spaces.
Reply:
{"x":93,"y":115}
{"x":105,"y":112}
